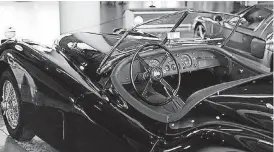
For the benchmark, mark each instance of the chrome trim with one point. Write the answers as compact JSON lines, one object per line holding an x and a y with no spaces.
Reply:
{"x":267,"y":26}
{"x":174,"y":148}
{"x":154,"y":145}
{"x":270,"y":106}
{"x":265,"y":142}
{"x":57,"y":40}
{"x":244,"y":96}
{"x":263,"y":21}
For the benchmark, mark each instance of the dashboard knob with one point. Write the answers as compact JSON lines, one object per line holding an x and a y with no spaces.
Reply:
{"x":173,"y":66}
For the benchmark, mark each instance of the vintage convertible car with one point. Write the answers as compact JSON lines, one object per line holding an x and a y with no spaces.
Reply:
{"x":256,"y":24}
{"x":125,"y":93}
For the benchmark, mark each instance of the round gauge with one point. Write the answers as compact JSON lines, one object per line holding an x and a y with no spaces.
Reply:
{"x":173,"y":66}
{"x":169,"y":60}
{"x":186,"y":60}
{"x":153,"y":63}
{"x":167,"y":68}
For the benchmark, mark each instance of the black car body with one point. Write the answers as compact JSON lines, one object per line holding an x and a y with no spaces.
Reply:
{"x":80,"y":95}
{"x":255,"y":26}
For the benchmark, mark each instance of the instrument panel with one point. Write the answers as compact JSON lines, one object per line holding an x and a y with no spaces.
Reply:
{"x":187,"y":61}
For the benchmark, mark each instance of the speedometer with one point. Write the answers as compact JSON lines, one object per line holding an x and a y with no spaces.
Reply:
{"x":153,"y":63}
{"x":186,"y":60}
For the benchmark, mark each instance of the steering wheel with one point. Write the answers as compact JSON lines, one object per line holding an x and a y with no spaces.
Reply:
{"x":154,"y":75}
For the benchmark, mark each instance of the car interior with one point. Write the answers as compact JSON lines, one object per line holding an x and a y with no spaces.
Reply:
{"x":198,"y":67}
{"x":158,"y":82}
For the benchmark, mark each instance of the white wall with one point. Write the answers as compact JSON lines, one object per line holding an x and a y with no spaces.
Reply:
{"x":79,"y":16}
{"x":37,"y":21}
{"x":157,"y":4}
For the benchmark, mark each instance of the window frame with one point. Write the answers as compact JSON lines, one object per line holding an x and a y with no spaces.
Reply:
{"x":261,"y":23}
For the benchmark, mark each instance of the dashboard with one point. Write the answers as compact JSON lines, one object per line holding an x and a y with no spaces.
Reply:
{"x":188,"y":61}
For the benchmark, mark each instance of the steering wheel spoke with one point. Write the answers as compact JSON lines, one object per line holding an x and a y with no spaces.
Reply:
{"x":147,"y":88}
{"x":143,"y":62}
{"x":140,"y":77}
{"x":167,"y":86}
{"x":164,"y":60}
{"x":153,"y":75}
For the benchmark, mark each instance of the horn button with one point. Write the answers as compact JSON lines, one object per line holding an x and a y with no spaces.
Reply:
{"x":156,"y":73}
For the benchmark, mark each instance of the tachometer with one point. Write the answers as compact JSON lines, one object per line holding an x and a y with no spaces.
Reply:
{"x":153,"y":63}
{"x":186,"y":60}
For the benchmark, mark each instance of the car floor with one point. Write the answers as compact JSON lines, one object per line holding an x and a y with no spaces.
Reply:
{"x":7,"y":144}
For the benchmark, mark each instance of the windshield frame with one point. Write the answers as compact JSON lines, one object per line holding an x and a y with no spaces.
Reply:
{"x":185,"y":13}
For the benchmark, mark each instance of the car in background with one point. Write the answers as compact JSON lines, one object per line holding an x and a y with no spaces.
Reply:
{"x":255,"y":25}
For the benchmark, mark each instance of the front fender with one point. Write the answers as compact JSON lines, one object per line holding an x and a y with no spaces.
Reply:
{"x":26,"y":83}
{"x":36,"y":84}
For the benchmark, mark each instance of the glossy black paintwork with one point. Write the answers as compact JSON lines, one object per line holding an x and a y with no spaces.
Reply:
{"x":231,"y":119}
{"x":73,"y":105}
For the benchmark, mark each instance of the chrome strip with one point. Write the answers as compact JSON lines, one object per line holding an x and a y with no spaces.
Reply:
{"x":174,"y":148}
{"x":265,"y":142}
{"x":259,"y":25}
{"x":267,"y":26}
{"x":244,"y":96}
{"x":231,"y":129}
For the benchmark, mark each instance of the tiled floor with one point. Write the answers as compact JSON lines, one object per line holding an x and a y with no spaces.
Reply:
{"x":7,"y":144}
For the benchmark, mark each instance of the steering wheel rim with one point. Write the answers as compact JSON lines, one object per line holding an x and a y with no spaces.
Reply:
{"x":161,"y":80}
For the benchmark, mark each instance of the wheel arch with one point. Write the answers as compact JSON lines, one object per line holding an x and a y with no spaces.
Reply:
{"x":25,"y":83}
{"x":20,"y":132}
{"x":198,"y":23}
{"x":3,"y":67}
{"x":199,"y":20}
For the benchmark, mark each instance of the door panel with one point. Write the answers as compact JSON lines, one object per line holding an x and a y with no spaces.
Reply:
{"x":240,"y":40}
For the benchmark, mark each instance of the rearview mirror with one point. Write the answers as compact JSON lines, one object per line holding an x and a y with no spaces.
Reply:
{"x":258,"y":48}
{"x":10,"y":33}
{"x":218,"y":18}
